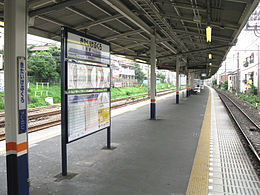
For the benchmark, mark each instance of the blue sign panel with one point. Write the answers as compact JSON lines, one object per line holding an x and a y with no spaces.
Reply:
{"x":22,"y":95}
{"x":22,"y":121}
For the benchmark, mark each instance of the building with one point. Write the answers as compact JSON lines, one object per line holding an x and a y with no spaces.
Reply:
{"x":123,"y":73}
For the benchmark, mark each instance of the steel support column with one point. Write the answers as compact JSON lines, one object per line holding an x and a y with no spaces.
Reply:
{"x":15,"y":32}
{"x":153,"y":79}
{"x":187,"y":83}
{"x":177,"y":79}
{"x":191,"y":83}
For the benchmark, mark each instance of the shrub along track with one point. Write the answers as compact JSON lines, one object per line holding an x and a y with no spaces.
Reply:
{"x":48,"y":116}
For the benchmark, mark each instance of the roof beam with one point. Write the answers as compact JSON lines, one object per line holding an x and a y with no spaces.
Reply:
{"x":196,"y":51}
{"x":127,"y":47}
{"x":122,"y":9}
{"x":240,"y":1}
{"x":118,"y":19}
{"x":135,"y":39}
{"x":218,"y":38}
{"x":182,"y":5}
{"x":55,"y":7}
{"x":54,"y":21}
{"x":123,"y":34}
{"x":97,"y":22}
{"x":222,"y":25}
{"x":34,"y":4}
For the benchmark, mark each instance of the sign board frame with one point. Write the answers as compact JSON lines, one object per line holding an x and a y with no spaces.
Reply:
{"x":85,"y":53}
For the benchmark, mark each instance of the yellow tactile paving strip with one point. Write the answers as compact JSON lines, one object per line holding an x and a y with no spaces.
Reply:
{"x":199,"y":177}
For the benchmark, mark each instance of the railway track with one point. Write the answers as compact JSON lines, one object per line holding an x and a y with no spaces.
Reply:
{"x":249,"y":128}
{"x":40,"y":120}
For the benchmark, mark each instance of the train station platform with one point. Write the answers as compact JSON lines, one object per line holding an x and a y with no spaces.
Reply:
{"x":179,"y":153}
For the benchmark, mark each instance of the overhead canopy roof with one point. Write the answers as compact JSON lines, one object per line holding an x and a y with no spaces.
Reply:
{"x":179,"y":26}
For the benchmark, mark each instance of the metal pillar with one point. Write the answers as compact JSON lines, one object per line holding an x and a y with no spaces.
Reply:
{"x":187,"y":82}
{"x":177,"y":79}
{"x":258,"y":71}
{"x":15,"y":32}
{"x":63,"y":110}
{"x":190,"y":75}
{"x":191,"y":83}
{"x":153,"y":79}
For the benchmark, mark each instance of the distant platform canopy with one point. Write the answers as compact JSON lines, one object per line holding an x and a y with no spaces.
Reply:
{"x":179,"y":26}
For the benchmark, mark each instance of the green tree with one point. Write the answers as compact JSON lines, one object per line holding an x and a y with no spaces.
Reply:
{"x":139,"y":74}
{"x":29,"y":50}
{"x":56,"y":52}
{"x":161,"y":76}
{"x":42,"y":66}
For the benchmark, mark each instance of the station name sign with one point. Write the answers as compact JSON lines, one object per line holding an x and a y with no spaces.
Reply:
{"x":82,"y":48}
{"x":22,"y":118}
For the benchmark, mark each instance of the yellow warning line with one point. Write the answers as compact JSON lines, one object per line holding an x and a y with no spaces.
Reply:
{"x":198,"y":182}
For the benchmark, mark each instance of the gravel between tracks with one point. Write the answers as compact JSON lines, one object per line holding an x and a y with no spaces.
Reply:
{"x":254,"y":136}
{"x":251,"y":111}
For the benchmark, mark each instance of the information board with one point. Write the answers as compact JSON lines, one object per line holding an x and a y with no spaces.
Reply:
{"x":85,"y":88}
{"x":83,"y":48}
{"x":87,"y":113}
{"x":82,"y":76}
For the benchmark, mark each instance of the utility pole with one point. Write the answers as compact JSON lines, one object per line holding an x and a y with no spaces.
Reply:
{"x":238,"y":75}
{"x":225,"y":71}
{"x":258,"y":72}
{"x":148,"y":81}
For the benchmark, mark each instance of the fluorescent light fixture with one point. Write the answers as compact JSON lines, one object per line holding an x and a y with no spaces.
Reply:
{"x":210,"y":56}
{"x":208,"y":33}
{"x":139,"y":60}
{"x":203,"y":74}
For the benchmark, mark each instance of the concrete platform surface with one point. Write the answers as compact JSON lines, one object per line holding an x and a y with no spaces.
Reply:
{"x":151,"y":157}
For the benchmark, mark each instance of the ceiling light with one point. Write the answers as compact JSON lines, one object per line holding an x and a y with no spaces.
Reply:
{"x":139,"y":60}
{"x":210,"y":64}
{"x":210,"y":56}
{"x":208,"y":33}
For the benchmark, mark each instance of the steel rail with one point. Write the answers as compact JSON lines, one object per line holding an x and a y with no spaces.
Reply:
{"x":57,"y":112}
{"x":237,"y":123}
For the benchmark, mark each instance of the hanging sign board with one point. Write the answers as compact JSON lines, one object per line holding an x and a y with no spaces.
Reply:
{"x":83,"y":48}
{"x":22,"y":113}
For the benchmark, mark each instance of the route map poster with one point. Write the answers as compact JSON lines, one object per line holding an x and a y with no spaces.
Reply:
{"x":82,"y":48}
{"x":82,"y":76}
{"x":87,"y":113}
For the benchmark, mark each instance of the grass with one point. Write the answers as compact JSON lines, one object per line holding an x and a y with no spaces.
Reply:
{"x":252,"y":99}
{"x":54,"y":91}
{"x":38,"y":101}
{"x":127,"y":91}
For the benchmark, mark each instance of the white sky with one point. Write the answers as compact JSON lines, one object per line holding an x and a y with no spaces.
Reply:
{"x":247,"y":41}
{"x":32,"y":39}
{"x":35,"y":40}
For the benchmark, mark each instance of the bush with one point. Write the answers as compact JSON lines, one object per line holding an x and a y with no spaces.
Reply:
{"x":252,"y":90}
{"x":224,"y":85}
{"x":252,"y":99}
{"x":214,"y":82}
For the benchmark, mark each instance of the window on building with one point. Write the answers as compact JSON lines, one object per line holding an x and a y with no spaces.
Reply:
{"x":251,"y":58}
